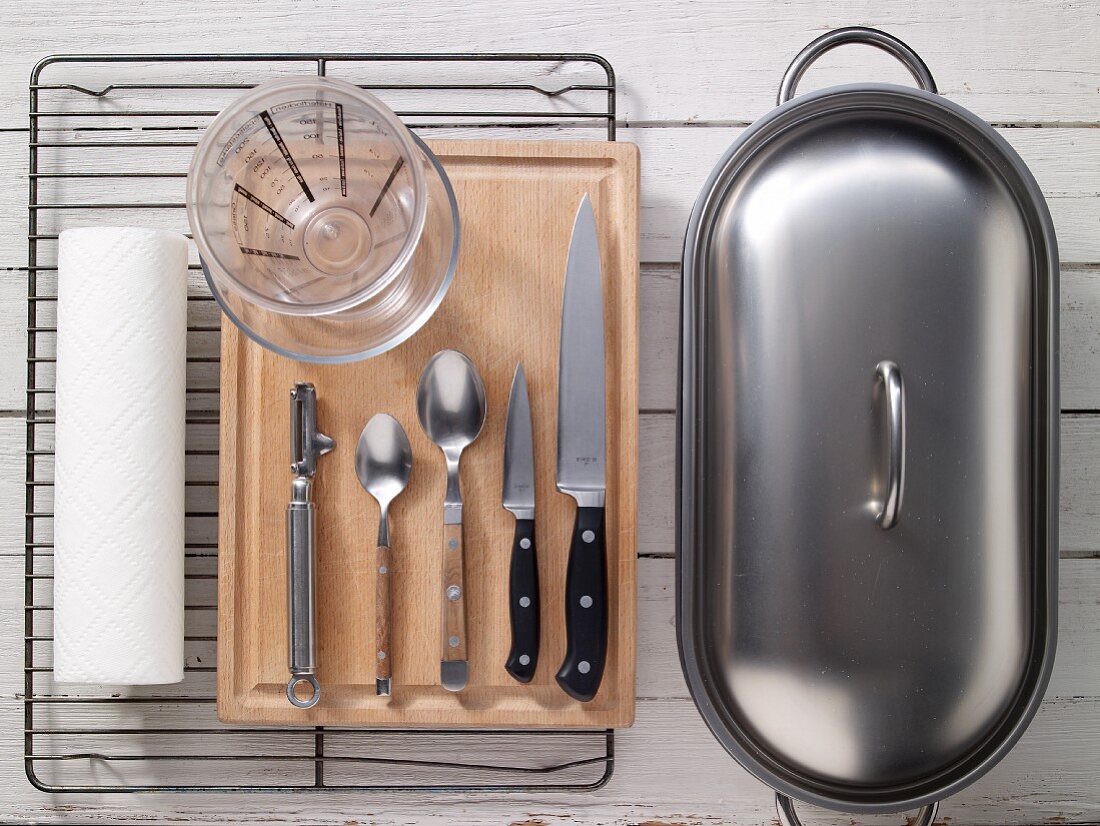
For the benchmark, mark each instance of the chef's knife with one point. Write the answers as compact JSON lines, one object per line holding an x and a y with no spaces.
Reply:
{"x":581,"y":459}
{"x":519,"y":498}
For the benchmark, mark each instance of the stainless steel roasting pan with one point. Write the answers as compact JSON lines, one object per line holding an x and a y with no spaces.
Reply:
{"x":868,"y":445}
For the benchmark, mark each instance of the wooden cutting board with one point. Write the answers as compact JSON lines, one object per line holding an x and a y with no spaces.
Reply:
{"x":517,"y":201}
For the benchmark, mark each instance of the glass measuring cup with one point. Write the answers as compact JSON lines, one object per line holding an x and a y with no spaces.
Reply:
{"x":327,"y":231}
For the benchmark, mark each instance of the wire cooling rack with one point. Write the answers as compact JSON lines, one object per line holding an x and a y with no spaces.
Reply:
{"x":110,"y":140}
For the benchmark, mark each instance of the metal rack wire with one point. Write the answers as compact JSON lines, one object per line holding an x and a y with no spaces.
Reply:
{"x":101,"y":125}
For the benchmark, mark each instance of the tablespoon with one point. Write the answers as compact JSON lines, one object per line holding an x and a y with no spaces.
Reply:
{"x":450,"y":402}
{"x":383,"y":461}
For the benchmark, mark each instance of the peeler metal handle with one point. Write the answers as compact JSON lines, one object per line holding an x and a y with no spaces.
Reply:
{"x":301,"y":595}
{"x":307,"y":444}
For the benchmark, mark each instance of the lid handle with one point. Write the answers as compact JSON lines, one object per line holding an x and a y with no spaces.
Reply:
{"x":854,"y":34}
{"x":888,"y":373}
{"x":784,"y":807}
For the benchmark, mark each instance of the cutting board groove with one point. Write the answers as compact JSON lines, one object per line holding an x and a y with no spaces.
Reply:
{"x":517,"y":201}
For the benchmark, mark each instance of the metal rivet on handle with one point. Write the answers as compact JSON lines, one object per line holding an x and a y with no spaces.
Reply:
{"x":453,"y":592}
{"x":381,"y":655}
{"x":452,"y":544}
{"x":453,"y":641}
{"x":584,"y":667}
{"x":382,"y":569}
{"x":586,"y":601}
{"x":524,"y":602}
{"x":524,"y":659}
{"x":525,"y":543}
{"x":588,"y":537}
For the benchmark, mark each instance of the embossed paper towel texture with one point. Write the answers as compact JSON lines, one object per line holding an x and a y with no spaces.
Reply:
{"x":119,"y":479}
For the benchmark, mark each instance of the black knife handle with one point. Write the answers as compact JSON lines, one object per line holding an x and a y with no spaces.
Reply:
{"x":523,"y":603}
{"x":585,"y":608}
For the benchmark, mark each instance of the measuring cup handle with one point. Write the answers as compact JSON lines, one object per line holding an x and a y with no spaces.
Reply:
{"x":854,"y":34}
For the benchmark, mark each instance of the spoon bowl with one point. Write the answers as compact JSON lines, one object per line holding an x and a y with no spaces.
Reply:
{"x":450,"y":401}
{"x":383,"y":462}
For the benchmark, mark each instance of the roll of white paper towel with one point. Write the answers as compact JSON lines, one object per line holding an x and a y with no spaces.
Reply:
{"x":119,"y":478}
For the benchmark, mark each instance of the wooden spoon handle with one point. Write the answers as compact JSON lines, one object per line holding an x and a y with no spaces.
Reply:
{"x":384,"y":655}
{"x":454,"y":610}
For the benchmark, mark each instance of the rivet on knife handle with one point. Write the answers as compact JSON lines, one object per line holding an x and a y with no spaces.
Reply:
{"x":585,"y":608}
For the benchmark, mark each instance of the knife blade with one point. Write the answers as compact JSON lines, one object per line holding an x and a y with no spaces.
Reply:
{"x":581,"y":461}
{"x":519,"y":499}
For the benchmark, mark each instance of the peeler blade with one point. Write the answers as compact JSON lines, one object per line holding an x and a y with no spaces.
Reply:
{"x":307,"y":443}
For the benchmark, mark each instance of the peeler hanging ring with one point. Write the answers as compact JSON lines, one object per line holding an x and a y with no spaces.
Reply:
{"x":292,"y":688}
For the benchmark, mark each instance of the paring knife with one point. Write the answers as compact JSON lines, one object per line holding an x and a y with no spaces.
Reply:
{"x":581,"y":459}
{"x":519,"y":498}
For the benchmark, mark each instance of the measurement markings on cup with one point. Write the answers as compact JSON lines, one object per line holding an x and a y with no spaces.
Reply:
{"x":340,"y":147}
{"x":268,"y":254}
{"x":252,"y":199}
{"x":270,"y":124}
{"x":386,"y":186}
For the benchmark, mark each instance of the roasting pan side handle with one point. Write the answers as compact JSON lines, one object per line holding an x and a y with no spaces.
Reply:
{"x":784,"y":807}
{"x":854,"y":34}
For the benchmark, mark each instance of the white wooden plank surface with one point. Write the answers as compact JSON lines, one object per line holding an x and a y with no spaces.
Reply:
{"x":691,"y":74}
{"x":678,"y":61}
{"x":1056,"y":756}
{"x":669,"y":771}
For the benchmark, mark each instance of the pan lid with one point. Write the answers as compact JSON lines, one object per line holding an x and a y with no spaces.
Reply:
{"x":868,"y":456}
